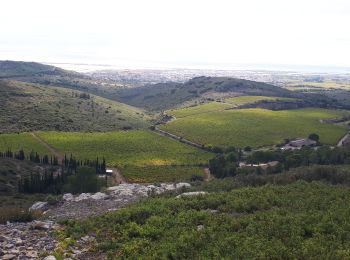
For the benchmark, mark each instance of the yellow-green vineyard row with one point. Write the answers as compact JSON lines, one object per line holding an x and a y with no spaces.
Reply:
{"x":255,"y":127}
{"x":143,"y":156}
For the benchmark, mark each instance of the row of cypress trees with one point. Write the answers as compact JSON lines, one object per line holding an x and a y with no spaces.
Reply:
{"x":53,"y":179}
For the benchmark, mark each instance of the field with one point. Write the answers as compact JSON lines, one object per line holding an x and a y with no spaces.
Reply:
{"x":163,"y":173}
{"x":143,"y":156}
{"x":218,"y":106}
{"x":25,"y":141}
{"x":256,"y":127}
{"x":132,"y":150}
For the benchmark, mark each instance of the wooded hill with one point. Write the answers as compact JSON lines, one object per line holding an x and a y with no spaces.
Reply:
{"x":164,"y":96}
{"x":34,"y":72}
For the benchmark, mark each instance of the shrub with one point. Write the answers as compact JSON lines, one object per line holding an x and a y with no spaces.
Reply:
{"x":52,"y":200}
{"x":16,"y":214}
{"x":314,"y":137}
{"x":247,"y":149}
{"x":196,"y":177}
{"x":85,"y":180}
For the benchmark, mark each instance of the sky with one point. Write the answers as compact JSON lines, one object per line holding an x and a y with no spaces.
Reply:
{"x":216,"y":34}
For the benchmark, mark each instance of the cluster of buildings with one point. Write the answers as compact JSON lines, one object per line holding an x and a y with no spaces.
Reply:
{"x":299,"y":143}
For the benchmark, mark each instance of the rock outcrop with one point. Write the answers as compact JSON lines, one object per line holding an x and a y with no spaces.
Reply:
{"x":32,"y":240}
{"x":87,"y":204}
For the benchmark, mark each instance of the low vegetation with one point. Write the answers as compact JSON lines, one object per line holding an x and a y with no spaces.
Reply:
{"x":163,"y":173}
{"x":297,"y":220}
{"x":17,"y":214}
{"x":164,"y":96}
{"x":31,"y":107}
{"x":256,"y":127}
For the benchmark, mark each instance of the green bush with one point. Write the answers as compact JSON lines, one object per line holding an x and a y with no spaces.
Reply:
{"x":52,"y":200}
{"x":85,"y":180}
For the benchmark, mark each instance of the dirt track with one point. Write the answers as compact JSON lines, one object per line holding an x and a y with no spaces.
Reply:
{"x":344,"y":139}
{"x":207,"y":175}
{"x":52,"y":150}
{"x":178,"y":138}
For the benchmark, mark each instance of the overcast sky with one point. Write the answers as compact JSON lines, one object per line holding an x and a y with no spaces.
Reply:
{"x":181,"y":33}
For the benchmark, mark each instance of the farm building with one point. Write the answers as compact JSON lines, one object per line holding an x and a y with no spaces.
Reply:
{"x":263,"y":166}
{"x":302,"y":142}
{"x":109,"y":172}
{"x":299,"y":143}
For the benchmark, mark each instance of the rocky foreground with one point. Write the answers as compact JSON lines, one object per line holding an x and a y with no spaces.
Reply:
{"x":35,"y":240}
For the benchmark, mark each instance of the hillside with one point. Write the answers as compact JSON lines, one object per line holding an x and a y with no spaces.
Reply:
{"x":168,"y":95}
{"x":12,"y":170}
{"x":23,"y":69}
{"x":161,"y":96}
{"x":29,"y":107}
{"x":240,"y":218}
{"x":34,"y":72}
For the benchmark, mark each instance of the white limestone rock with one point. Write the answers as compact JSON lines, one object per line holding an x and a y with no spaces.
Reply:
{"x":194,"y":193}
{"x":99,"y":196}
{"x":68,"y":197}
{"x":50,"y":257}
{"x":39,"y":205}
{"x":83,"y":196}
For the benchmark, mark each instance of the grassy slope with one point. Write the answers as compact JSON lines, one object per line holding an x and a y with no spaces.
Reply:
{"x":256,"y":127}
{"x":299,"y":220}
{"x":28,"y":107}
{"x":143,"y":149}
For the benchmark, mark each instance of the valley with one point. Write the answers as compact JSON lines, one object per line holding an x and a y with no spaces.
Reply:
{"x":175,"y":130}
{"x":121,"y":165}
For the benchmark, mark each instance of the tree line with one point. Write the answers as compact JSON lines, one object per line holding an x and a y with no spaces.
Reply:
{"x":57,"y":178}
{"x":227,"y":164}
{"x":33,"y":157}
